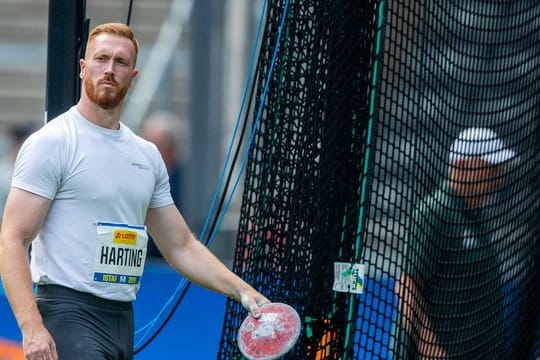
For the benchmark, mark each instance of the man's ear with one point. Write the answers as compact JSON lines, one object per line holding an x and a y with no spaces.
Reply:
{"x":134,"y":74}
{"x":82,"y":65}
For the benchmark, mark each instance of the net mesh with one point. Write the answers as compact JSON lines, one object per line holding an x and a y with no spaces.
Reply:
{"x":355,"y":108}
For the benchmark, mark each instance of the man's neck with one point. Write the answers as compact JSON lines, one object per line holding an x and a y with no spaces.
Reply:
{"x":109,"y":119}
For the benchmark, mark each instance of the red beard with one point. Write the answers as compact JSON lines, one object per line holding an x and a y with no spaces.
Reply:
{"x":106,"y":98}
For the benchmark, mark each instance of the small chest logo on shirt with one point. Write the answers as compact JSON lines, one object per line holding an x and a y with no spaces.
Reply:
{"x":140,"y":166}
{"x":469,"y":240}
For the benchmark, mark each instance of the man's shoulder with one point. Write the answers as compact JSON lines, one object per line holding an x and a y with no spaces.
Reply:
{"x":52,"y":135}
{"x":144,"y":144}
{"x":58,"y":122}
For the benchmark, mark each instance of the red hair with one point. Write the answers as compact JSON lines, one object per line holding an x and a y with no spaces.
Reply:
{"x":117,"y":29}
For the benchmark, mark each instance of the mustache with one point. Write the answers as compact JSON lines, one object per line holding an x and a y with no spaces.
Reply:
{"x":107,"y":79}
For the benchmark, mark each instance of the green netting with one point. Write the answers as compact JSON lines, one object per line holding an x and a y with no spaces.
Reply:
{"x":352,"y":134}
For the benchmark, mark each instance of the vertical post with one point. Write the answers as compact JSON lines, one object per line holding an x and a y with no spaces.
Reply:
{"x":64,"y":46}
{"x":205,"y":112}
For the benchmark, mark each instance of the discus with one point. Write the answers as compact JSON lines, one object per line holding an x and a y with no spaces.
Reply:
{"x":271,"y":335}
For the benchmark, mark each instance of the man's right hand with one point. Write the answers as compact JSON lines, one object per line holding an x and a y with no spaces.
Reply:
{"x":38,"y":344}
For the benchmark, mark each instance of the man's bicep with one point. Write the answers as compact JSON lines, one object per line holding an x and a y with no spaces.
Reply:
{"x":24,"y":214}
{"x":166,"y":226}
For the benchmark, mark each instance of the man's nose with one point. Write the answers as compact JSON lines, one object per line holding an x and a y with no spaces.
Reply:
{"x":109,"y":69}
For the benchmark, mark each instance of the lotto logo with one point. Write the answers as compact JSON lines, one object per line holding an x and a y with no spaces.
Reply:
{"x":125,"y":237}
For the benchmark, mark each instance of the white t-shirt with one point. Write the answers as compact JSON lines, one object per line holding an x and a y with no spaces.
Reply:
{"x":102,"y":182}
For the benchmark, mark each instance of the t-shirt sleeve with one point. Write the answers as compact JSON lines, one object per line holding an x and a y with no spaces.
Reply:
{"x":162,"y":190}
{"x":421,"y":242}
{"x":37,"y":167}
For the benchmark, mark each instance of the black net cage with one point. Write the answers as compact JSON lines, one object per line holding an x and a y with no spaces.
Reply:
{"x":391,"y":191}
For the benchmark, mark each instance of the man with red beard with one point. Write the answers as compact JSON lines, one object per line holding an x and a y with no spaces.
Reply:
{"x":84,"y":193}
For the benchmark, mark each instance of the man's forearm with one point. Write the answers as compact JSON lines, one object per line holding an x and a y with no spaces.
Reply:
{"x":17,"y":282}
{"x":415,"y":320}
{"x":202,"y":267}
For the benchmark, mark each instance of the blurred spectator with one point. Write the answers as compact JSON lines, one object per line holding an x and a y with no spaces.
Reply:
{"x":168,"y":132}
{"x":451,"y":295}
{"x":17,"y":133}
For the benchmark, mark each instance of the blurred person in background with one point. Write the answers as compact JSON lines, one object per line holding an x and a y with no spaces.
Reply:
{"x":16,"y":135}
{"x":168,"y":132}
{"x":451,"y":296}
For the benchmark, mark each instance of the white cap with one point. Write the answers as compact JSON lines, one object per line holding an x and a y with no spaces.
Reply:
{"x":483,"y":143}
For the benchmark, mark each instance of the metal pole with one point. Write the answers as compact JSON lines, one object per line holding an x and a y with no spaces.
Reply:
{"x":205,"y":113}
{"x":65,"y":43}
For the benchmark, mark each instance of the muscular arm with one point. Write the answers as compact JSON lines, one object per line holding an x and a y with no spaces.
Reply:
{"x":193,"y":260}
{"x":23,"y":217}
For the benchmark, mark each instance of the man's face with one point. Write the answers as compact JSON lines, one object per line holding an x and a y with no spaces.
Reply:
{"x":108,"y":70}
{"x":477,"y":177}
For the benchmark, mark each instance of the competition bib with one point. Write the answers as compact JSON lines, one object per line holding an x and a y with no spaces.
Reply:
{"x":120,"y":253}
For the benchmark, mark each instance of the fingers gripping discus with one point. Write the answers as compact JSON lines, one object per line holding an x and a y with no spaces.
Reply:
{"x":270,"y":336}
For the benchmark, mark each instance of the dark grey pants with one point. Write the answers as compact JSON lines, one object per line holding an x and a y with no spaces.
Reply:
{"x":86,"y":327}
